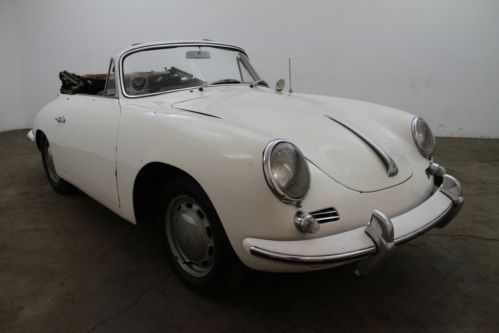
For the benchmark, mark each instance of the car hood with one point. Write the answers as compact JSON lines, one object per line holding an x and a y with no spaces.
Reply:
{"x":307,"y":121}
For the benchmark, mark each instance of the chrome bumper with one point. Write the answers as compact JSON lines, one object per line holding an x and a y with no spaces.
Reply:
{"x":383,"y":234}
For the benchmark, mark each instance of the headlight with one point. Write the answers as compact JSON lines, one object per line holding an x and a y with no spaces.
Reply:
{"x":286,"y":171}
{"x":423,"y":137}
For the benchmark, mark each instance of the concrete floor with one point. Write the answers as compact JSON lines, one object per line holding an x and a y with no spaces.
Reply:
{"x":67,"y":264}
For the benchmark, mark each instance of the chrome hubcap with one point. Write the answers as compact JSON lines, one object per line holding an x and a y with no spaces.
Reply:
{"x":50,"y":165}
{"x":189,"y":236}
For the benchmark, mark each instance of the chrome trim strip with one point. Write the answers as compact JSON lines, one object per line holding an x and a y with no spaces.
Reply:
{"x":329,"y":212}
{"x":440,"y":221}
{"x":391,"y":166}
{"x":325,"y":215}
{"x":328,"y":218}
{"x":197,"y":112}
{"x":311,"y":259}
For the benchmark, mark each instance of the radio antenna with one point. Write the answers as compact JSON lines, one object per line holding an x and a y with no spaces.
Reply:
{"x":289,"y":65}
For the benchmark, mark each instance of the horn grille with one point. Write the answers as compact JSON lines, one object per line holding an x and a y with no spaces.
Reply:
{"x":326,"y":215}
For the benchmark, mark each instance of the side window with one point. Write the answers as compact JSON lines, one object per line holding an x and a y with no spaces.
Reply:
{"x":110,"y":89}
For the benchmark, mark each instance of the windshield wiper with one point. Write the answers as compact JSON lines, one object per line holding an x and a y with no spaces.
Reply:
{"x":222,"y":81}
{"x":260,"y":83}
{"x":225,"y":81}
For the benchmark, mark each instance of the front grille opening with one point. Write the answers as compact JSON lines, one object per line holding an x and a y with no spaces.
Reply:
{"x":326,"y":215}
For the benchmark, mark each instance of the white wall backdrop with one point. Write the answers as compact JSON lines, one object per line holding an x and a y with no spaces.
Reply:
{"x":435,"y":58}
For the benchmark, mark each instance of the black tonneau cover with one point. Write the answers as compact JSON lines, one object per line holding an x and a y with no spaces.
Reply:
{"x":84,"y":84}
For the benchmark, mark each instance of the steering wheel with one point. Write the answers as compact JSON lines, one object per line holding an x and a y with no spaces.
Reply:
{"x":174,"y":71}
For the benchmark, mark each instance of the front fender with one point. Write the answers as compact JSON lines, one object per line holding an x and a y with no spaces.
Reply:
{"x":223,"y":158}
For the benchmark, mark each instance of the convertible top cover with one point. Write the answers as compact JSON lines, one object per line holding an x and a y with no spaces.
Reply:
{"x":91,"y":84}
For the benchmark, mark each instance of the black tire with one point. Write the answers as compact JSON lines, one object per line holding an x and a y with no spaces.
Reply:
{"x":222,"y":270}
{"x":58,"y":184}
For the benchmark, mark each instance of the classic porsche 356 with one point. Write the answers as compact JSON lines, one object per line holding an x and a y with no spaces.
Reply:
{"x":187,"y":137}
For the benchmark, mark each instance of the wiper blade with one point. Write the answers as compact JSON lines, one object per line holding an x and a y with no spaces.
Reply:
{"x":225,"y":81}
{"x":222,"y":81}
{"x":260,"y":83}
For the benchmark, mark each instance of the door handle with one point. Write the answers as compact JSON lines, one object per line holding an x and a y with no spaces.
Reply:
{"x":60,"y":119}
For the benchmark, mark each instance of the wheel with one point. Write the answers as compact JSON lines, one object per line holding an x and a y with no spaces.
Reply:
{"x":195,"y":242}
{"x":58,"y":184}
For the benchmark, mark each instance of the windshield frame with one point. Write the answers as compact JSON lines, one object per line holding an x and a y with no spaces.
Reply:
{"x":170,"y":46}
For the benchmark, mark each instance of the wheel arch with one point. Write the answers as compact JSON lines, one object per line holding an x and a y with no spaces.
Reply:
{"x":147,"y":186}
{"x":39,"y":137}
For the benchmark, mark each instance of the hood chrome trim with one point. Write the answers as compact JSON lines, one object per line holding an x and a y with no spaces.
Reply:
{"x":197,"y":112}
{"x":391,"y":166}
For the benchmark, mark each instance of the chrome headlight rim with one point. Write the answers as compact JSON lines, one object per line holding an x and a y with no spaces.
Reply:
{"x":272,"y":183}
{"x":419,"y":146}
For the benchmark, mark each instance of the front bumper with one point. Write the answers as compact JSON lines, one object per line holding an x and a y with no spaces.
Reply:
{"x":371,"y":243}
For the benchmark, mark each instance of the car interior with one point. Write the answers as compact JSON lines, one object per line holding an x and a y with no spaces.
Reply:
{"x":136,"y":83}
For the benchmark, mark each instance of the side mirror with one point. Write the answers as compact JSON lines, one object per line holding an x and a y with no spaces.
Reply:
{"x":279,"y":85}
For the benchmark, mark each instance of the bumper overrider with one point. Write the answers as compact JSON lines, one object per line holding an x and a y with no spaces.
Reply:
{"x":371,"y":244}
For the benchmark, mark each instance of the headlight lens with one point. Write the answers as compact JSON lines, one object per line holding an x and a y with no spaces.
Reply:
{"x":423,"y":137}
{"x":286,"y":171}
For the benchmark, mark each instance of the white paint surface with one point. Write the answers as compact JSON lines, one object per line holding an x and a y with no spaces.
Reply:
{"x":435,"y":58}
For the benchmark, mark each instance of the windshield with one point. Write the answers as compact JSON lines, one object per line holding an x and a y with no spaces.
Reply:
{"x":158,"y":70}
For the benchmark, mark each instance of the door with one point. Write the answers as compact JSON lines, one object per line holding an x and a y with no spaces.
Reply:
{"x":87,"y":141}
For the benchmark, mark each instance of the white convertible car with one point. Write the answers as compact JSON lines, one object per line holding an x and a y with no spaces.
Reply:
{"x":187,"y":137}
